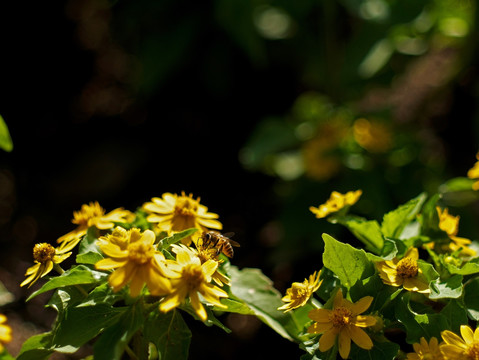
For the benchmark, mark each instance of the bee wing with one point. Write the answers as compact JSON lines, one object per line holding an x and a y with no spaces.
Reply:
{"x":229,"y":234}
{"x":234,"y":243}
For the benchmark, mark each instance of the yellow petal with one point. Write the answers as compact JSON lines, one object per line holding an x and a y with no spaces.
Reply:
{"x":361,"y":305}
{"x":319,"y":328}
{"x":412,"y":253}
{"x":327,"y":340}
{"x":450,"y":338}
{"x":109,"y":263}
{"x":360,"y":337}
{"x":415,"y":284}
{"x":467,"y":334}
{"x":344,"y":344}
{"x":198,"y":306}
{"x":320,"y":315}
{"x":210,"y":223}
{"x":173,"y":300}
{"x":364,"y":321}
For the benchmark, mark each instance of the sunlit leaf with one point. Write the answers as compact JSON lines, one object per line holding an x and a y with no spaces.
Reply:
{"x":367,"y":231}
{"x":394,"y":222}
{"x":5,"y":139}
{"x":37,"y":347}
{"x":449,"y":288}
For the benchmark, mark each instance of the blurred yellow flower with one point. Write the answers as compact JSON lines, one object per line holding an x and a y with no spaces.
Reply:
{"x":46,"y":257}
{"x":457,"y":348}
{"x":206,"y":253}
{"x":373,"y":136}
{"x":173,"y":213}
{"x":426,"y":351}
{"x":404,"y":272}
{"x":336,"y":202}
{"x":299,"y":293}
{"x":135,"y":261}
{"x":93,"y":215}
{"x":473,"y":173}
{"x":450,"y":224}
{"x":344,"y":323}
{"x":5,"y":332}
{"x":190,"y":278}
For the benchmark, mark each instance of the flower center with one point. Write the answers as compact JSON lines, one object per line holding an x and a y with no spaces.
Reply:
{"x":140,"y":252}
{"x":407,"y":268}
{"x":340,"y":317}
{"x":298,"y":291}
{"x":43,"y":252}
{"x":473,"y":351}
{"x":186,"y":206}
{"x":193,"y":276}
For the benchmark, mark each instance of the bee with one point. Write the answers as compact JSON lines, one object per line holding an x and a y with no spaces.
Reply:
{"x":219,"y":242}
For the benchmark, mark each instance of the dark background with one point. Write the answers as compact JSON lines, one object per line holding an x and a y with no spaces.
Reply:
{"x":120,"y":102}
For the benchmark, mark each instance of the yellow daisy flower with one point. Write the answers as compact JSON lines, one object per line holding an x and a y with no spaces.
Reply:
{"x":473,"y":173}
{"x":93,"y":215}
{"x":457,"y":348}
{"x":191,"y":279}
{"x":299,"y":293}
{"x":336,"y":202}
{"x":5,"y":332}
{"x":135,"y":261}
{"x":450,"y":224}
{"x":205,"y":253}
{"x":46,"y":257}
{"x":404,"y":272}
{"x":173,"y":213}
{"x":344,"y":323}
{"x":426,"y":351}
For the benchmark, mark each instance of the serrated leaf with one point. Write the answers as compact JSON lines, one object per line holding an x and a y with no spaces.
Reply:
{"x":80,"y":324}
{"x":450,"y":288}
{"x":257,"y":291}
{"x":5,"y":139}
{"x":418,"y":325}
{"x":367,"y":231}
{"x":75,"y":276}
{"x":349,"y":264}
{"x":169,"y":333}
{"x":173,"y":239}
{"x":395,"y":221}
{"x":112,"y":342}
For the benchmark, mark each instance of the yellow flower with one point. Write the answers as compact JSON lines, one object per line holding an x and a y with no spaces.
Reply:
{"x":372,"y":135}
{"x":299,"y":293}
{"x":336,"y":202}
{"x":173,"y":213}
{"x":450,"y":224}
{"x":46,"y":257}
{"x":426,"y":351}
{"x":205,"y":253}
{"x":473,"y":173}
{"x":344,"y":323}
{"x":5,"y":332}
{"x":457,"y":348}
{"x":135,"y":261}
{"x":93,"y":215}
{"x":192,"y":278}
{"x":404,"y":272}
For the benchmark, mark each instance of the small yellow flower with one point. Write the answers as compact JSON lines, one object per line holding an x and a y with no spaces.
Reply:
{"x":457,"y":348}
{"x":473,"y":173}
{"x":205,"y":253}
{"x":344,"y":323}
{"x":173,"y":213}
{"x":450,"y":224}
{"x":135,"y":261}
{"x":336,"y":202}
{"x":93,"y":215}
{"x":426,"y":351}
{"x":404,"y":272}
{"x":191,"y":278}
{"x":5,"y":332}
{"x":299,"y":293}
{"x":46,"y":257}
{"x":372,"y":135}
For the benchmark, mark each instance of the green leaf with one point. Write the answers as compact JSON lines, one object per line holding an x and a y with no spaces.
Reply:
{"x":469,"y":268}
{"x":394,"y":222}
{"x":471,"y":298}
{"x":37,"y":347}
{"x":235,"y":306}
{"x":449,"y":288}
{"x":112,"y":342}
{"x":367,"y":231}
{"x":456,"y":315}
{"x":75,"y":276}
{"x":5,"y":139}
{"x":169,"y":333}
{"x":349,"y":264}
{"x":416,"y":324}
{"x":4,"y":355}
{"x":458,"y":191}
{"x":173,"y":239}
{"x":257,"y":291}
{"x":80,"y":324}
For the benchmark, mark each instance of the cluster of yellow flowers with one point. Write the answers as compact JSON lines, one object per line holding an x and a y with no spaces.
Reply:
{"x":5,"y":332}
{"x":344,"y":322}
{"x":134,"y":259}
